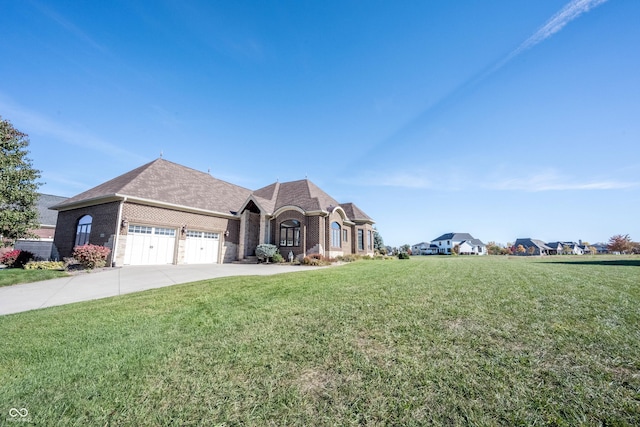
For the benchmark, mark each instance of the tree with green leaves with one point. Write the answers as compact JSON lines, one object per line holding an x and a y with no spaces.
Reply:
{"x":378,"y":243}
{"x":18,"y":186}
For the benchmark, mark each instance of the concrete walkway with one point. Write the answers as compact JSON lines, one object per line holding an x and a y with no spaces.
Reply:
{"x":120,"y":281}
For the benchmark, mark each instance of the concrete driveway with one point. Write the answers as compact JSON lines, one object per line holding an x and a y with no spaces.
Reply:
{"x":120,"y":281}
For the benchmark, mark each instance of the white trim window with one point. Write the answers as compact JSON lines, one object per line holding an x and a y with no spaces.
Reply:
{"x":83,"y":231}
{"x":335,"y":235}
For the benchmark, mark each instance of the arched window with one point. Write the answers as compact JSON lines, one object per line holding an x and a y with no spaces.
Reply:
{"x":290,"y":233}
{"x":84,"y":230}
{"x":335,"y":235}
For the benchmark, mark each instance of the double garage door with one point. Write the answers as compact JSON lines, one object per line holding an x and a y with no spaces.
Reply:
{"x":156,"y":246}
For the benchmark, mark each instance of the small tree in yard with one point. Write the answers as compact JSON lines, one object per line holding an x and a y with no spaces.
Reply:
{"x":18,"y":186}
{"x":494,"y":249}
{"x":266,"y":251}
{"x":520,"y":249}
{"x":378,"y":243}
{"x":91,"y":256}
{"x":620,"y":243}
{"x":455,"y":250}
{"x":531,"y":250}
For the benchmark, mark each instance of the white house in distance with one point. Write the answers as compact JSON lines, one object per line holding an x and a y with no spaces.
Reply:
{"x":567,"y":248}
{"x":468,"y":245}
{"x":424,"y":248}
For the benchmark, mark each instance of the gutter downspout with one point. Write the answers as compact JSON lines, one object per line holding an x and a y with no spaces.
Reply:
{"x":114,"y":253}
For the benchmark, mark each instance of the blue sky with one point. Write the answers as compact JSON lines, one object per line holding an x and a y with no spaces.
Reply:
{"x":503,"y":119}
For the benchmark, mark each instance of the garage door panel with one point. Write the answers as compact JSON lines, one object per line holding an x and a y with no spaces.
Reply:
{"x":149,"y":246}
{"x":201,"y":247}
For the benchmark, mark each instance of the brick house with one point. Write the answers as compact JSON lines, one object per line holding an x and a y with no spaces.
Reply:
{"x":166,"y":213}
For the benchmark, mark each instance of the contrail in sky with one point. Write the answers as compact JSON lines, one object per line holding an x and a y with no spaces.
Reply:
{"x":571,"y":11}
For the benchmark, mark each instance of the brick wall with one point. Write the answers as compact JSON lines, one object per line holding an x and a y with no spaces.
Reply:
{"x":161,"y":217}
{"x":366,"y":228}
{"x":345,"y":247}
{"x":103,"y":227}
{"x":275,"y":232}
{"x":155,"y":216}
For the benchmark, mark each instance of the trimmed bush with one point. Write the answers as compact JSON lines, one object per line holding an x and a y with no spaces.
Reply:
{"x":277,"y":257}
{"x":44,"y":265}
{"x":403,"y":255}
{"x":266,"y":251}
{"x":16,"y":258}
{"x":316,"y":259}
{"x":91,"y":256}
{"x":310,"y":261}
{"x":349,"y":258}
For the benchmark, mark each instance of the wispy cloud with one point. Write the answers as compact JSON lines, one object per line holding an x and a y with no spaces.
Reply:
{"x":399,"y":179}
{"x":552,"y":181}
{"x":571,"y":11}
{"x":34,"y":123}
{"x":68,"y":25}
{"x":456,"y":180}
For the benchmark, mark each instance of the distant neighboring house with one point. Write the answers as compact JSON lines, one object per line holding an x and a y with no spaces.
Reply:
{"x":555,"y":248}
{"x":468,"y":245}
{"x":539,"y":247}
{"x":424,"y":248}
{"x":601,"y":248}
{"x":43,"y":247}
{"x":558,"y":248}
{"x":472,"y":247}
{"x":166,"y":213}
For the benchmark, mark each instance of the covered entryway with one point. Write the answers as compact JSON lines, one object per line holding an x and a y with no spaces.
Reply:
{"x":150,"y":245}
{"x":201,"y":247}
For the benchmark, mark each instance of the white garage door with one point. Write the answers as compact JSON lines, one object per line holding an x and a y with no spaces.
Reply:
{"x":149,"y":245}
{"x":201,"y":247}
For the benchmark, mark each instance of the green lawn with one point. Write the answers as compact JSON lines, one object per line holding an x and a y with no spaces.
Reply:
{"x":13,"y":276}
{"x":431,"y":340}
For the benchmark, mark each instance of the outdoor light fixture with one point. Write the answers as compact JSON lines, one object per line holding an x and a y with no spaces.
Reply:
{"x":184,"y":229}
{"x":124,"y":223}
{"x":226,"y":233}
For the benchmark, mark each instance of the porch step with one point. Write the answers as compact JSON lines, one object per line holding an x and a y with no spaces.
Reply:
{"x":247,"y":260}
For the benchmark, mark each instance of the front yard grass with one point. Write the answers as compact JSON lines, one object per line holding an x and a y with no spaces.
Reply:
{"x":14,"y":276}
{"x":430,"y":340}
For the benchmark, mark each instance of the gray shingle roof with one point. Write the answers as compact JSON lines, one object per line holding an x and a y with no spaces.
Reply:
{"x":305,"y":195}
{"x":475,"y":242}
{"x":47,"y":216}
{"x":527,"y":242}
{"x":168,"y":182}
{"x":455,"y":236}
{"x":355,"y":213}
